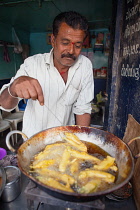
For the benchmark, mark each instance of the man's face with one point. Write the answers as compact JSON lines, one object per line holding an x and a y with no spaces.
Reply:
{"x":67,"y":45}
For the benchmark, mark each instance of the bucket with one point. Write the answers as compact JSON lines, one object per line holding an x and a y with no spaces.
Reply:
{"x":12,"y":188}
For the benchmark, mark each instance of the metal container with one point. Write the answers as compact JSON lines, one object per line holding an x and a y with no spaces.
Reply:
{"x":12,"y":188}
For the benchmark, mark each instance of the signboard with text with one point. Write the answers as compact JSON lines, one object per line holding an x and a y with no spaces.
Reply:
{"x":128,"y":98}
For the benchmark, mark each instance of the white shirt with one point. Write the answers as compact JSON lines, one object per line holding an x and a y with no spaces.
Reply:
{"x":62,"y":100}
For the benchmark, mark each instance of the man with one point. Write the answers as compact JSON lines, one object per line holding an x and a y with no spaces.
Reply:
{"x":59,"y":84}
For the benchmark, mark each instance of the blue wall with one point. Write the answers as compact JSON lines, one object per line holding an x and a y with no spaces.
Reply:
{"x":38,"y":43}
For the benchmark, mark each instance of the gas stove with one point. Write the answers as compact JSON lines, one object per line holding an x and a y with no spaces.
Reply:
{"x":34,"y":193}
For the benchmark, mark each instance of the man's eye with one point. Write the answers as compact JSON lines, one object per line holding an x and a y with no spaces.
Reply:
{"x":65,"y":43}
{"x":78,"y":45}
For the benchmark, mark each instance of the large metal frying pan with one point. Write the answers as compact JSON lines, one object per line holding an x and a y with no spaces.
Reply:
{"x":107,"y":141}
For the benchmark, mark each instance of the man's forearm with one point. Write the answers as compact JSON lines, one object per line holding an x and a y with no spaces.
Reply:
{"x":7,"y":101}
{"x":83,"y":120}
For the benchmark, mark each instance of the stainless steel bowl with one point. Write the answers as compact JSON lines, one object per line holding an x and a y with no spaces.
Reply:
{"x":12,"y":187}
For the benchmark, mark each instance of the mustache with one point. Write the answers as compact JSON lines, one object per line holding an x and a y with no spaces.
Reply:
{"x":68,"y":56}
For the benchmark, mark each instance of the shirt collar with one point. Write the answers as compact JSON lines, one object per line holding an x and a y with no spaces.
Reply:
{"x":49,"y":57}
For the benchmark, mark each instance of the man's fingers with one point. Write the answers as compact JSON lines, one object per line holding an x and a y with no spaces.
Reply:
{"x":28,"y":87}
{"x":23,"y":94}
{"x":39,"y":94}
{"x":41,"y":100}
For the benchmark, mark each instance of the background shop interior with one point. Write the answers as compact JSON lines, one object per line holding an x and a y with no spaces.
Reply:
{"x":25,"y":28}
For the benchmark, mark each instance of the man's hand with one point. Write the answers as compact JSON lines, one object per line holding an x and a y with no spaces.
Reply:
{"x":27,"y":87}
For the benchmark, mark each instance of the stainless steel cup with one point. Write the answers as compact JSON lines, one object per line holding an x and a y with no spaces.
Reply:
{"x":12,"y":188}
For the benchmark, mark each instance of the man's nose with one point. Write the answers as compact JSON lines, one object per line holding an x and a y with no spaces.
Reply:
{"x":71,"y":48}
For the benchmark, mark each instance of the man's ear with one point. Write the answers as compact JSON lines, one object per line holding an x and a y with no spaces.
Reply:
{"x":52,"y":40}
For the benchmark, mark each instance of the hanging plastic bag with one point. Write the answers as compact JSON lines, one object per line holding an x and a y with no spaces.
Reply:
{"x":17,"y":45}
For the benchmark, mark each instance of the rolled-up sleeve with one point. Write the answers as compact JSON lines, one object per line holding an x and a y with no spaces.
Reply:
{"x":83,"y":103}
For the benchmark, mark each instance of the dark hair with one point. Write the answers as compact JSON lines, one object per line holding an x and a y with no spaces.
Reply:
{"x":71,"y":18}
